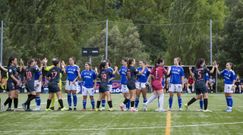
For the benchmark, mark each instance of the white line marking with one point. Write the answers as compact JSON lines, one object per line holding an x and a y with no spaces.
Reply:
{"x":120,"y":128}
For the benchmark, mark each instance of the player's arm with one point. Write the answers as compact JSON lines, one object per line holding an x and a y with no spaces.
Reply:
{"x":3,"y":68}
{"x":169,"y":69}
{"x":15,"y":79}
{"x":191,"y":73}
{"x":115,"y":70}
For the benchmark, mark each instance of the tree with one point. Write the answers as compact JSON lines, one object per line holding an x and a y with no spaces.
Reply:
{"x":231,"y":49}
{"x":188,"y":34}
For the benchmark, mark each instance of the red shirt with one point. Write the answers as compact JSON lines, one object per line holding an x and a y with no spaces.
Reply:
{"x":158,"y":74}
{"x":190,"y":80}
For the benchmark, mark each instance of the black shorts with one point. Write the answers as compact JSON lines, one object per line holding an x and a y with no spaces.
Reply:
{"x":12,"y":86}
{"x":30,"y":87}
{"x":53,"y":88}
{"x":131,"y":85}
{"x":103,"y":88}
{"x":200,"y":88}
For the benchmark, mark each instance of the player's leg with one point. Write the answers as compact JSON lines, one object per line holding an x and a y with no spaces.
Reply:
{"x":194,"y":99}
{"x":91,"y":96}
{"x":205,"y":102}
{"x":160,"y":94}
{"x":179,"y":93}
{"x":171,"y":94}
{"x":69,"y":94}
{"x":138,"y":92}
{"x":84,"y":93}
{"x":144,"y":93}
{"x":50,"y":97}
{"x":53,"y":100}
{"x":228,"y":95}
{"x":98,"y":101}
{"x":150,"y":100}
{"x":32,"y":96}
{"x":8,"y":102}
{"x":109,"y":100}
{"x":75,"y":100}
{"x":15,"y":99}
{"x":132,"y":98}
{"x":125,"y":105}
{"x":201,"y":103}
{"x":60,"y":101}
{"x":38,"y":93}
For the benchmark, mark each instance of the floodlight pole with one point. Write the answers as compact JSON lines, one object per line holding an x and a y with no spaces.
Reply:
{"x":1,"y":56}
{"x":106,"y":40}
{"x":211,"y":42}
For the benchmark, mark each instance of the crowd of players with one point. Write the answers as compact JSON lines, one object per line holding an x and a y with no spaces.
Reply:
{"x":133,"y":83}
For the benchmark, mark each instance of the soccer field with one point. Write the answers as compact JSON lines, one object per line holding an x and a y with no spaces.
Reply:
{"x":127,"y":123}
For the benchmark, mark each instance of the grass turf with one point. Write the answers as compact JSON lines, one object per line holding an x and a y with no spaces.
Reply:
{"x":126,"y":123}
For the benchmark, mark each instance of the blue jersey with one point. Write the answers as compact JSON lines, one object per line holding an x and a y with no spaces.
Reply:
{"x":72,"y":72}
{"x":111,"y":75}
{"x":228,"y":75}
{"x":176,"y":73}
{"x":88,"y":77}
{"x":38,"y":74}
{"x":143,"y":78}
{"x":123,"y":74}
{"x":207,"y":76}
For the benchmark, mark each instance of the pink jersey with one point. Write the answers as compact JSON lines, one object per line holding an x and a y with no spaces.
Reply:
{"x":157,"y":77}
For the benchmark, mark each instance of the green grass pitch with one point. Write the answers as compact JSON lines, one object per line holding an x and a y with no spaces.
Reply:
{"x":126,"y":123}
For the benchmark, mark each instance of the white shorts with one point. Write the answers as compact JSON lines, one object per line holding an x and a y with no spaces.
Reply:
{"x":71,"y":86}
{"x":87,"y":91}
{"x":37,"y":86}
{"x":175,"y":88}
{"x":228,"y":88}
{"x":124,"y":88}
{"x":110,"y":87}
{"x":140,"y":85}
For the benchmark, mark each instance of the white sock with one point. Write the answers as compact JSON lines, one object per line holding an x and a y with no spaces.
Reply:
{"x":151,"y":99}
{"x":161,"y":101}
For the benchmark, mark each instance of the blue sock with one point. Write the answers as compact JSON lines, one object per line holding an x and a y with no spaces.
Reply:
{"x":103,"y":103}
{"x":74,"y":100}
{"x":145,"y":100}
{"x":84,"y":104}
{"x":201,"y":103}
{"x":170,"y":102}
{"x":230,"y":101}
{"x":93,"y":104}
{"x":69,"y":99}
{"x":38,"y":101}
{"x":128,"y":104}
{"x":227,"y":101}
{"x":179,"y":102}
{"x":158,"y":103}
{"x":136,"y":102}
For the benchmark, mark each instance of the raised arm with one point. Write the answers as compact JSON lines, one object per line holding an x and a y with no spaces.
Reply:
{"x":191,"y":73}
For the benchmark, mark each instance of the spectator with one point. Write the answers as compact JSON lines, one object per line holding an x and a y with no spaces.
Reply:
{"x":190,"y":84}
{"x":212,"y":84}
{"x":237,"y":85}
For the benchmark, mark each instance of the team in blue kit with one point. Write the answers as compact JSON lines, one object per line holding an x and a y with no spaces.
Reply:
{"x":134,"y":82}
{"x":89,"y":83}
{"x":38,"y":84}
{"x":124,"y":89}
{"x":142,"y":80}
{"x":73,"y":72}
{"x":229,"y":77}
{"x":176,"y":73}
